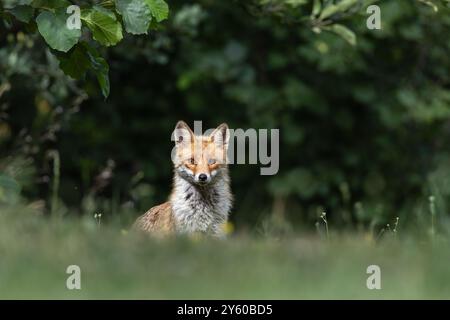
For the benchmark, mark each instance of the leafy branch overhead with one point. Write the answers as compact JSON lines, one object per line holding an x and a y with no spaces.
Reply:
{"x":326,"y":15}
{"x":103,"y":23}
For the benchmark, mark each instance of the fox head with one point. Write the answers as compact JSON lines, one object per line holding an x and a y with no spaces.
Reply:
{"x":200,"y":159}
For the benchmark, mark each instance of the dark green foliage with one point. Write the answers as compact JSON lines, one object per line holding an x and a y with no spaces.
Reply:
{"x":52,"y":21}
{"x":363,"y":114}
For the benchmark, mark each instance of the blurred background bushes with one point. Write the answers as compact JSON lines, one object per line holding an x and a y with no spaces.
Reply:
{"x":364,"y":129}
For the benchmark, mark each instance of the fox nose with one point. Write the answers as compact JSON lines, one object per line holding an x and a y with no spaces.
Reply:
{"x":202,"y":177}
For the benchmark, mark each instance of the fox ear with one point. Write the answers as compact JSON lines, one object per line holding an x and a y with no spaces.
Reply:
{"x":182,"y":133}
{"x":221,"y":135}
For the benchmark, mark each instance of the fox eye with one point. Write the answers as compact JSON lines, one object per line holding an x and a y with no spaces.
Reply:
{"x":192,"y":161}
{"x":211,"y":161}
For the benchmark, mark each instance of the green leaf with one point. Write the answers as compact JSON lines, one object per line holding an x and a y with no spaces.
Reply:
{"x":337,"y":8}
{"x":8,"y":4}
{"x":344,"y":32}
{"x":75,"y":63}
{"x":83,"y":58}
{"x":430,"y":4}
{"x":317,"y":6}
{"x":296,"y":3}
{"x":100,"y":68}
{"x":50,"y":4}
{"x":104,"y":25}
{"x":154,"y":25}
{"x":22,"y":13}
{"x":53,"y":28}
{"x":136,"y":15}
{"x":159,"y":9}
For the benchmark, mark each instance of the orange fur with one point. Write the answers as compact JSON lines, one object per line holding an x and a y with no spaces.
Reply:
{"x":196,"y":155}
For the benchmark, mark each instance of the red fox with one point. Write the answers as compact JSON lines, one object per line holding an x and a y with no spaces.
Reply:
{"x":201,"y":198}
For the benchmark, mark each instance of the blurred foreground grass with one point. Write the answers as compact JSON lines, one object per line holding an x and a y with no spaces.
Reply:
{"x":115,"y":264}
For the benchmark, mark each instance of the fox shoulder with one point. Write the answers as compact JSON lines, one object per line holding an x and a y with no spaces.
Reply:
{"x":158,"y":220}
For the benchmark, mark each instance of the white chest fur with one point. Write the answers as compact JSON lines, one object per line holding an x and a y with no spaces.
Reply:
{"x":201,"y":209}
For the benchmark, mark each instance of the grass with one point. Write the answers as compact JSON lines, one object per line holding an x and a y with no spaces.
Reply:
{"x":35,"y":253}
